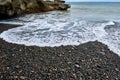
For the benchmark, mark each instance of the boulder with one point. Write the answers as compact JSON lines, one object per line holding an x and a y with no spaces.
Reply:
{"x":10,"y":8}
{"x":6,"y":10}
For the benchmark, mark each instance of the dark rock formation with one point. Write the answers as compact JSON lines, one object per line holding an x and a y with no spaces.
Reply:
{"x":10,"y":8}
{"x":6,"y":9}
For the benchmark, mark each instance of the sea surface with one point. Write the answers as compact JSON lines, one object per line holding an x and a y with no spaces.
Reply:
{"x":83,"y":22}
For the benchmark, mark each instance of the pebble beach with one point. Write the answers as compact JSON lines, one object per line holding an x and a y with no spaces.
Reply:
{"x":88,"y":61}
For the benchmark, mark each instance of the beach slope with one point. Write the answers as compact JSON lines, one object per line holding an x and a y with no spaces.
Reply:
{"x":89,"y":61}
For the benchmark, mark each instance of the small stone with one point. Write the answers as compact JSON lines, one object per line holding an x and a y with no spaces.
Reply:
{"x":20,"y":50}
{"x":17,"y":66}
{"x":77,"y":65}
{"x":116,"y":69}
{"x":13,"y":54}
{"x":69,"y":51}
{"x":72,"y":48}
{"x":81,"y":78}
{"x":20,"y":71}
{"x":69,"y":62}
{"x":63,"y":70}
{"x":83,"y":60}
{"x":60,"y":55}
{"x":15,"y":77}
{"x":103,"y":53}
{"x":23,"y":77}
{"x":8,"y":68}
{"x":107,"y":77}
{"x":73,"y":76}
{"x":32,"y":71}
{"x":54,"y":69}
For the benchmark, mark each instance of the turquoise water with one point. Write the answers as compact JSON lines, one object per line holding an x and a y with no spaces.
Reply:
{"x":83,"y":22}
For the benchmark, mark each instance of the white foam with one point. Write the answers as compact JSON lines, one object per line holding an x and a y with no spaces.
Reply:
{"x":51,"y":31}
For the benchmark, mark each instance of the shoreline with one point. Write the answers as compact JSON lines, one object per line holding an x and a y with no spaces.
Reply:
{"x":91,"y":60}
{"x":4,"y":27}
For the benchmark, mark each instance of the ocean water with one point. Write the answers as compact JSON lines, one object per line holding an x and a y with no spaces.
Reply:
{"x":83,"y":22}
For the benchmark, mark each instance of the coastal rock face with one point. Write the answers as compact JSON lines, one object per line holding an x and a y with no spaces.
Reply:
{"x":9,"y":8}
{"x":6,"y":9}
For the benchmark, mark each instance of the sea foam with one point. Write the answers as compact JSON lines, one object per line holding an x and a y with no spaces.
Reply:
{"x":53,"y":29}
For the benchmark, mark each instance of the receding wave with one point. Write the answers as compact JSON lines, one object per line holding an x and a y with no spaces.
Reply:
{"x":47,"y":30}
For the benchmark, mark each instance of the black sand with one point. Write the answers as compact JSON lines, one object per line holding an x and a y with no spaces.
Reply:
{"x":89,"y":61}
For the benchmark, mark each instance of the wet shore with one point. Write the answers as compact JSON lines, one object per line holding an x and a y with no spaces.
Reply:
{"x":89,"y":61}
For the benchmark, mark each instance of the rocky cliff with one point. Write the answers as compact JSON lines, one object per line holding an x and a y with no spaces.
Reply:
{"x":10,"y":8}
